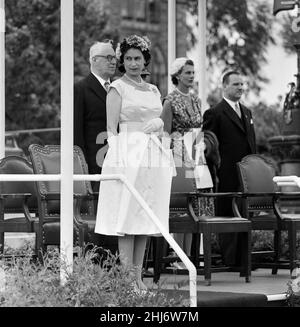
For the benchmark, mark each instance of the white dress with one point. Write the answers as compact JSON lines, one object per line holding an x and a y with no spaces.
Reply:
{"x":146,"y":164}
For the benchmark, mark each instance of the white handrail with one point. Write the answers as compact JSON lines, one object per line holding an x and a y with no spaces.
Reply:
{"x":287,"y":180}
{"x":277,"y":297}
{"x":57,"y":177}
{"x":29,"y":177}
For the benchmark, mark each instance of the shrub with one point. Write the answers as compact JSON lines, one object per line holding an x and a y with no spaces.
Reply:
{"x":293,"y":291}
{"x":36,"y":284}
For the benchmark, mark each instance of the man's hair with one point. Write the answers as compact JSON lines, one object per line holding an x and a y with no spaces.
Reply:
{"x":97,"y":44}
{"x":225,"y":78}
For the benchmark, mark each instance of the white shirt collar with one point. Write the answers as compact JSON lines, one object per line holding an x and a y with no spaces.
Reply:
{"x":101,"y":80}
{"x":231,"y":103}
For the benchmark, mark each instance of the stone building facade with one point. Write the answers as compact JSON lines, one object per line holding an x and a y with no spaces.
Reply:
{"x":149,"y":17}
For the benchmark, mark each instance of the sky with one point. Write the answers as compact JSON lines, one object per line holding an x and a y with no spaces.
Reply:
{"x":280,"y":68}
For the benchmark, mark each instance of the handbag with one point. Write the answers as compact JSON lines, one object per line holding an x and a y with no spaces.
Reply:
{"x":201,"y":171}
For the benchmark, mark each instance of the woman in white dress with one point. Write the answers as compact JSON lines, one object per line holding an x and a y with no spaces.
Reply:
{"x":134,"y":107}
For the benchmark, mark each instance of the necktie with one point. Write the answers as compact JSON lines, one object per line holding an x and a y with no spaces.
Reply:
{"x":238,"y":109}
{"x":106,"y":85}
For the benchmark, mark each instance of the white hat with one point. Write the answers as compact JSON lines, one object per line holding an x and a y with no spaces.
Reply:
{"x":177,"y":64}
{"x":100,"y":48}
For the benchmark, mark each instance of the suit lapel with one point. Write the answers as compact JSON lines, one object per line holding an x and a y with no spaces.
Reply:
{"x":97,"y":88}
{"x":232,"y":115}
{"x":247,"y":118}
{"x":249,"y":127}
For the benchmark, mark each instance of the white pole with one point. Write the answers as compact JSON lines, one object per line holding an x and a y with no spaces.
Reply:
{"x":2,"y":79}
{"x":66,"y":204}
{"x":171,"y":38}
{"x":287,"y":180}
{"x":202,"y":52}
{"x":202,"y":67}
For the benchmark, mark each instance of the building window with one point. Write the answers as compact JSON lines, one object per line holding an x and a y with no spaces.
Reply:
{"x":140,"y":10}
{"x":158,"y":71}
{"x":153,"y":9}
{"x":127,"y":8}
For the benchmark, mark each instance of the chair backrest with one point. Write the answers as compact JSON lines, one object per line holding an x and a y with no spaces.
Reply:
{"x":17,"y":165}
{"x":46,"y":160}
{"x":182,"y":182}
{"x":256,"y":176}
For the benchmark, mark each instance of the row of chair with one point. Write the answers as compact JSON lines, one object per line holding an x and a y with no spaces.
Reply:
{"x":256,"y":207}
{"x":35,"y":206}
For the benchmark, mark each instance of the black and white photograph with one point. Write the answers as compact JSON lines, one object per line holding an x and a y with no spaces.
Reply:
{"x":149,"y":159}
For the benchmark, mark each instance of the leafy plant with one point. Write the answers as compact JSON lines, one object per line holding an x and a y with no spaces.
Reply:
{"x":238,"y":34}
{"x":36,"y":284}
{"x":32,"y":61}
{"x":293,"y":291}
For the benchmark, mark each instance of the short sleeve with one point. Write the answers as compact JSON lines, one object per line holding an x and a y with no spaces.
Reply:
{"x":155,"y":90}
{"x":117,"y":85}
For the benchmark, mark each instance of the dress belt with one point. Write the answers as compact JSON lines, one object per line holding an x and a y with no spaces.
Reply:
{"x":138,"y":127}
{"x":132,"y":127}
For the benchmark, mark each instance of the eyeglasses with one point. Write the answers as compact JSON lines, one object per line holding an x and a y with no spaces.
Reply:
{"x":108,"y":57}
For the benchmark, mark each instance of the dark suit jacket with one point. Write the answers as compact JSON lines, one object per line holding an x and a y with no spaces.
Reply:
{"x":90,"y":120}
{"x":236,"y":139}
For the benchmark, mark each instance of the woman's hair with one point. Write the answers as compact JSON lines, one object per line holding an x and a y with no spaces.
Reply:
{"x":141,"y":43}
{"x":174,"y":78}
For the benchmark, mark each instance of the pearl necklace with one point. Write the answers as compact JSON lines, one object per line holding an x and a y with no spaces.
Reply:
{"x":133,"y":81}
{"x":184,"y":94}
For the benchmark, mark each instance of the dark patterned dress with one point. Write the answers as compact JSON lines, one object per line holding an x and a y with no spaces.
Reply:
{"x":186,"y":114}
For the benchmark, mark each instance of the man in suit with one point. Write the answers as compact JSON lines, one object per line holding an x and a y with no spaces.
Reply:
{"x":90,"y":106}
{"x":90,"y":116}
{"x":232,"y":123}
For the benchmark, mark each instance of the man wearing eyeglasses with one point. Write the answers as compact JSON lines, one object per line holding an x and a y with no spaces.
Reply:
{"x":90,"y":116}
{"x":90,"y":106}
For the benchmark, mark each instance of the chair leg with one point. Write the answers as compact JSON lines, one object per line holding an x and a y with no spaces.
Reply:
{"x":82,"y":231}
{"x":39,"y":246}
{"x":197,"y":249}
{"x":36,"y":245}
{"x":147,"y":257}
{"x":277,"y":237}
{"x":292,"y":235}
{"x":207,"y":255}
{"x":2,"y":242}
{"x":246,"y":257}
{"x":158,"y":245}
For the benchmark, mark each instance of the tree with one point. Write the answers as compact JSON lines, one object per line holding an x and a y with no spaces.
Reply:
{"x":32,"y":64}
{"x":288,"y":35}
{"x":33,"y":57}
{"x":238,"y":34}
{"x":267,"y":122}
{"x":90,"y":25}
{"x":33,"y":60}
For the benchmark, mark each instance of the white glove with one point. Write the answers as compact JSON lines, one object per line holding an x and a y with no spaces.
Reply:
{"x":112,"y":140}
{"x":201,"y":146}
{"x":200,"y":157}
{"x":153,"y":125}
{"x":115,"y":157}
